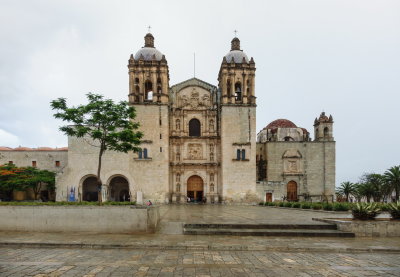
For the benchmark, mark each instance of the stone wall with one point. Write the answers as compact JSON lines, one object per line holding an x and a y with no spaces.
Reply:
{"x":310,"y":164}
{"x":106,"y":219}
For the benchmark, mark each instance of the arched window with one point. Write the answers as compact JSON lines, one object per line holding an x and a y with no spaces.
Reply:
{"x":145,"y":153}
{"x":238,"y":91}
{"x":194,"y":128}
{"x":326,"y":132}
{"x":288,"y":139}
{"x":148,"y":90}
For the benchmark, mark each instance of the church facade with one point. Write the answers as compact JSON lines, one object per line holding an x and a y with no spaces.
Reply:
{"x":199,"y":143}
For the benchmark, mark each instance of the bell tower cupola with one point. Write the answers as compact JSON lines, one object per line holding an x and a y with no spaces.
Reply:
{"x":236,"y":78}
{"x":148,"y":75}
{"x":323,"y":128}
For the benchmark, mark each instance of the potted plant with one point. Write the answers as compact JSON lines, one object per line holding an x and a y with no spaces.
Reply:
{"x":394,"y":210}
{"x":365,"y":211}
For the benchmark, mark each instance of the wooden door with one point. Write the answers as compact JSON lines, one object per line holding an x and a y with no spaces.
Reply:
{"x":195,"y":188}
{"x":268,"y":197}
{"x":292,"y":191}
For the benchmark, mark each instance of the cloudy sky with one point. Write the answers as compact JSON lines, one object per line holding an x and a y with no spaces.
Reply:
{"x":337,"y":56}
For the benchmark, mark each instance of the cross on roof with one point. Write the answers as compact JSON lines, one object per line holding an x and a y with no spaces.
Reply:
{"x":235,"y":31}
{"x":149,"y":28}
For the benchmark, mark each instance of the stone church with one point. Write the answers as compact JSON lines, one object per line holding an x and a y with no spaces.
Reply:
{"x":199,"y":144}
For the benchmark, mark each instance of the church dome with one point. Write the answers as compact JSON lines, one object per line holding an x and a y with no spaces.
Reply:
{"x":148,"y":52}
{"x":236,"y":54}
{"x":4,"y":148}
{"x":281,"y":123}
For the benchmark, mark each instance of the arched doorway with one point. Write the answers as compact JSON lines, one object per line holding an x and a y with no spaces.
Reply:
{"x":119,"y":189}
{"x":89,"y":189}
{"x":195,"y":188}
{"x":292,"y":191}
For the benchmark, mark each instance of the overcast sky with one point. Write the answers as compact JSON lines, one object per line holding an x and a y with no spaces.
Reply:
{"x":338,"y":56}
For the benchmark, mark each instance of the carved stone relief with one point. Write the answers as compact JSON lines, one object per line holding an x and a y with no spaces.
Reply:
{"x":195,"y":99}
{"x":195,"y":151}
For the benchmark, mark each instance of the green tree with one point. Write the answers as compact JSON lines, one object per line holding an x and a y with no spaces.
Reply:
{"x":358,"y":191}
{"x":376,"y":185}
{"x":36,"y":178}
{"x":109,"y":125}
{"x":367,"y":190}
{"x":346,"y":188}
{"x":392,"y":177}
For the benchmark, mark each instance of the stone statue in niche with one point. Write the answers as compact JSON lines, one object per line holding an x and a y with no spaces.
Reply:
{"x":178,"y":156}
{"x":212,"y":177}
{"x":211,"y":125}
{"x":206,"y":100}
{"x":184,"y":101}
{"x":178,"y":187}
{"x":195,"y":151}
{"x":211,"y":187}
{"x":178,"y":124}
{"x":211,"y":156}
{"x":178,"y":177}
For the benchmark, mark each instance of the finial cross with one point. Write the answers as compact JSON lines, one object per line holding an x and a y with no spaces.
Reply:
{"x":149,"y":28}
{"x":235,"y":31}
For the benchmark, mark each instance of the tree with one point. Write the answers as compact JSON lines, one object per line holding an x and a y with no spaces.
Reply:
{"x":346,"y":188}
{"x":392,"y":177}
{"x":36,"y":178}
{"x":8,"y":175}
{"x":109,"y":125}
{"x":375,"y":187}
{"x":366,"y":190}
{"x":358,"y":192}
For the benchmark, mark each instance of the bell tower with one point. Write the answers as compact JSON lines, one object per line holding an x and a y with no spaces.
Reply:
{"x":148,"y":94}
{"x":236,"y":81}
{"x":236,"y":77}
{"x":323,"y":128}
{"x":148,"y":75}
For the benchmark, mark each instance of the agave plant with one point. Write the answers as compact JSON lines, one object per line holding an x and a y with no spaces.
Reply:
{"x":394,"y":210}
{"x":365,"y":211}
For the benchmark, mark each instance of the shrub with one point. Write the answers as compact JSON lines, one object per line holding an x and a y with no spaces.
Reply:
{"x":327,"y":206}
{"x":281,"y":204}
{"x":288,"y":204}
{"x":296,"y":205}
{"x":261,"y":203}
{"x":64,"y":203}
{"x":394,"y":210}
{"x":271,"y":204}
{"x":316,"y":206}
{"x":340,"y":206}
{"x":305,"y":205}
{"x":365,"y":211}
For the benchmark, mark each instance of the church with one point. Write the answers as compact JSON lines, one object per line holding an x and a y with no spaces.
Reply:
{"x":199,"y":144}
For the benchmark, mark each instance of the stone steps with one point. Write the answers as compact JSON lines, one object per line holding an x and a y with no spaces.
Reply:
{"x":286,"y":230}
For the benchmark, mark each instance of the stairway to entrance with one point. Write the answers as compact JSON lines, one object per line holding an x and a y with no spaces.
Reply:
{"x":284,"y":230}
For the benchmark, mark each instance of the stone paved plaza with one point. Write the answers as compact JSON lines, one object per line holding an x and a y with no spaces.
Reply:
{"x":162,"y":254}
{"x":118,"y":262}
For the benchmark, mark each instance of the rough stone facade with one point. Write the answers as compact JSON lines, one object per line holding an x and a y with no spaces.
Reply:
{"x":199,"y":143}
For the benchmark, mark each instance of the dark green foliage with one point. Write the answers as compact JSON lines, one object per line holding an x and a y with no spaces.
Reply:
{"x":392,"y":178}
{"x":365,"y":211}
{"x":316,"y":206}
{"x":340,"y":206}
{"x":281,"y":204}
{"x":306,"y":205}
{"x":327,"y":206}
{"x":394,"y":210}
{"x":287,"y":204}
{"x":345,"y":189}
{"x":296,"y":205}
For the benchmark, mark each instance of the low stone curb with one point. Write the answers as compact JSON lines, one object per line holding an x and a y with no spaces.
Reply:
{"x":198,"y":247}
{"x":309,"y":210}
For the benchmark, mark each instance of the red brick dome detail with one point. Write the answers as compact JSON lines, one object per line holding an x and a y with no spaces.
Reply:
{"x":4,"y":148}
{"x":23,"y":149}
{"x":281,"y":123}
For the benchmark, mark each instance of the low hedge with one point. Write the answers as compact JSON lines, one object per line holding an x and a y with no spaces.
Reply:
{"x":64,"y":203}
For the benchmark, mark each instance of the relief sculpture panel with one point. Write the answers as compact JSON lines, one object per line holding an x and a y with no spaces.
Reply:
{"x":194,"y":98}
{"x":195,"y":151}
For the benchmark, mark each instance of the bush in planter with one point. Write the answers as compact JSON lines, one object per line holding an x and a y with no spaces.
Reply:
{"x":394,"y":210}
{"x":327,"y":206}
{"x":365,"y":211}
{"x":287,"y":204}
{"x":306,"y":205}
{"x":261,"y":203}
{"x":316,"y":206}
{"x":281,"y":204}
{"x":296,"y":205}
{"x":340,"y":206}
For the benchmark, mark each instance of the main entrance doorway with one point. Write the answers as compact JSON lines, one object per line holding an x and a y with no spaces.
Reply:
{"x":292,"y":191}
{"x":195,"y":188}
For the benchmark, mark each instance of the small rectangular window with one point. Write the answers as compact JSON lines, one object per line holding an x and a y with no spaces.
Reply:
{"x":57,"y":163}
{"x":160,"y":149}
{"x":238,"y":154}
{"x":160,"y":122}
{"x":140,"y":154}
{"x":160,"y":136}
{"x":145,"y":153}
{"x":33,"y":163}
{"x":243,"y":154}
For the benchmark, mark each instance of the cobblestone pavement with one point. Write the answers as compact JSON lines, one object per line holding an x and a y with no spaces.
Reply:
{"x":118,"y":262}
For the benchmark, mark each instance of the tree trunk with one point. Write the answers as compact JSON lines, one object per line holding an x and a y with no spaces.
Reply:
{"x":99,"y":183}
